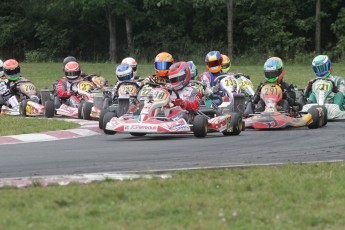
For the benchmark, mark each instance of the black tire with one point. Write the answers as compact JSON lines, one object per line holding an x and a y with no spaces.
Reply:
{"x":80,"y":110}
{"x":123,"y":107}
{"x":57,"y":102}
{"x":325,"y":120}
{"x":101,"y":116}
{"x":200,"y":126}
{"x":317,"y":119}
{"x":237,"y":125}
{"x":49,"y":109}
{"x":22,"y":108}
{"x":107,"y":117}
{"x":87,"y":108}
{"x":138,"y":134}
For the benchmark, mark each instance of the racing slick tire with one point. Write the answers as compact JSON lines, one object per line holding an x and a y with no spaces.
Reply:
{"x":200,"y":126}
{"x":325,"y":116}
{"x":237,"y":125}
{"x":22,"y":108}
{"x":317,"y":119}
{"x":123,"y":107}
{"x":87,"y":108}
{"x":49,"y":109}
{"x":80,"y":110}
{"x":138,"y":134}
{"x":101,"y":116}
{"x":107,"y":117}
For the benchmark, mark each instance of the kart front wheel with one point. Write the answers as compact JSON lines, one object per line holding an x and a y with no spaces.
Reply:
{"x":200,"y":126}
{"x":316,"y":118}
{"x":237,"y":125}
{"x":22,"y":108}
{"x":101,"y":116}
{"x":87,"y":108}
{"x":49,"y":109}
{"x":107,"y":117}
{"x":80,"y":110}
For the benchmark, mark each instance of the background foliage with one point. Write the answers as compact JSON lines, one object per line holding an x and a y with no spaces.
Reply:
{"x":48,"y":30}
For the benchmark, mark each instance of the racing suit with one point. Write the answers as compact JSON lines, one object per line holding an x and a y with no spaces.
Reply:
{"x":338,"y":91}
{"x":65,"y":94}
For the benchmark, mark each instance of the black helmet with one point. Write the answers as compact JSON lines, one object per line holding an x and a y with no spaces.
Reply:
{"x":68,"y":59}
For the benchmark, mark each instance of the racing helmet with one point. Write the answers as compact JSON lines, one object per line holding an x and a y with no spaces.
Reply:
{"x":162,"y":63}
{"x":322,"y":66}
{"x":193,"y":70}
{"x":214,"y":61}
{"x":72,"y":71}
{"x":68,"y":59}
{"x":179,"y":75}
{"x":274,"y":70}
{"x":11,"y":69}
{"x":130,"y":61}
{"x":124,"y":72}
{"x":226,"y":64}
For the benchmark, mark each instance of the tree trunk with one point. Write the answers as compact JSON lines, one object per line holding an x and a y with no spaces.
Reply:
{"x":318,"y":27}
{"x":230,"y":28}
{"x":112,"y":37}
{"x":129,"y":36}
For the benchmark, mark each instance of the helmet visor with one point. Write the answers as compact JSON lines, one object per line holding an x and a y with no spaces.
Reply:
{"x":225,"y":65}
{"x":134,"y":68}
{"x":12,"y":72}
{"x":125,"y":77}
{"x":162,"y":65}
{"x":176,"y":78}
{"x":273,"y":74}
{"x":72,"y":74}
{"x":214,"y":63}
{"x":321,"y":70}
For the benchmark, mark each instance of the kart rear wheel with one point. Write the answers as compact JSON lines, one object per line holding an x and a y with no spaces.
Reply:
{"x":107,"y":117}
{"x":87,"y":108}
{"x":49,"y":109}
{"x":237,"y":125}
{"x":80,"y":110}
{"x":200,"y":126}
{"x":101,"y":116}
{"x":317,"y":119}
{"x":22,"y":108}
{"x":138,"y":134}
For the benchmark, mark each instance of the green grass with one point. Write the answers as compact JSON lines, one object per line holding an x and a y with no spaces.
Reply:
{"x":292,"y":196}
{"x":13,"y":125}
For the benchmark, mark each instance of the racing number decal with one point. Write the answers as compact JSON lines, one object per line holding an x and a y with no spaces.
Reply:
{"x":323,"y":86}
{"x":145,"y":92}
{"x":85,"y":86}
{"x":244,"y":84}
{"x":159,"y":95}
{"x":28,"y":88}
{"x":130,"y":89}
{"x":271,"y":89}
{"x":230,"y":82}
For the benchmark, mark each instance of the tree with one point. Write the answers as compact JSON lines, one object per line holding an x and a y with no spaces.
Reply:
{"x":318,"y":27}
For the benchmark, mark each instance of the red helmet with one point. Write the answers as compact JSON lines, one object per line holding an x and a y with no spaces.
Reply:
{"x":12,"y":69}
{"x":162,"y":63}
{"x":72,"y":70}
{"x":179,"y":75}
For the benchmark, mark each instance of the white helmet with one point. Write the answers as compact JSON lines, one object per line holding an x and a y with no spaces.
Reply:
{"x":1,"y":68}
{"x":130,"y":61}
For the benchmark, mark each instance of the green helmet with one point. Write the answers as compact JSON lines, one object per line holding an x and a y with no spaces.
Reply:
{"x":274,"y":70}
{"x":322,"y":66}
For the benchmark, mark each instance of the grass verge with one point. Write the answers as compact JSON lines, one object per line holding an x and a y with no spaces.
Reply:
{"x":291,"y":196}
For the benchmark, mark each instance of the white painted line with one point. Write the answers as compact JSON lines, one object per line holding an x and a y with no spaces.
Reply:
{"x":34,"y":137}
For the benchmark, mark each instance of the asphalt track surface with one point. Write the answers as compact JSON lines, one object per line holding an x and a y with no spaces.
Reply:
{"x":122,"y":153}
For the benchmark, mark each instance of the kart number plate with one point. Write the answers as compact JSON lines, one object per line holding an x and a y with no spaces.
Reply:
{"x":128,"y":89}
{"x":28,"y":88}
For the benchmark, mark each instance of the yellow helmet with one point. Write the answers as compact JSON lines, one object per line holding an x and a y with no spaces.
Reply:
{"x":226,"y":64}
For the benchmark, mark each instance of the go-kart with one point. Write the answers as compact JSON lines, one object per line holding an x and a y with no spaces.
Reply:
{"x":321,"y":90}
{"x":129,"y":98}
{"x":160,"y":116}
{"x":29,"y":102}
{"x":271,"y":118}
{"x":83,"y":90}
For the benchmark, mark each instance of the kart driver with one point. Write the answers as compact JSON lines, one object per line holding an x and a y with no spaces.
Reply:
{"x":322,"y":68}
{"x":179,"y":76}
{"x":274,"y":73}
{"x":162,"y":63}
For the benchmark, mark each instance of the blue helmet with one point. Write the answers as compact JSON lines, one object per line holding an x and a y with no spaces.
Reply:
{"x":124,"y":72}
{"x":193,"y":70}
{"x":322,"y":66}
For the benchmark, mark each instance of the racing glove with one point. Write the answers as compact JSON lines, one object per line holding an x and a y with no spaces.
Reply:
{"x":180,"y":102}
{"x":335,"y":89}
